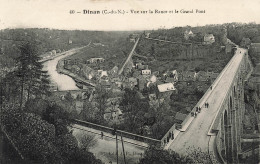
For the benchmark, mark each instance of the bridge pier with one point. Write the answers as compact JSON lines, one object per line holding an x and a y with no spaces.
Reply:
{"x":223,"y":121}
{"x":231,"y":124}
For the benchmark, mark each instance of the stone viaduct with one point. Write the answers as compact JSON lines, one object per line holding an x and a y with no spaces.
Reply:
{"x":216,"y":130}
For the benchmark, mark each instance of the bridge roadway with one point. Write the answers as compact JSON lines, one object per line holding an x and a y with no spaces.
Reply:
{"x":197,"y":133}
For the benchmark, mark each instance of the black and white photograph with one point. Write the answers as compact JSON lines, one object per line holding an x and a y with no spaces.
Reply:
{"x":129,"y":82}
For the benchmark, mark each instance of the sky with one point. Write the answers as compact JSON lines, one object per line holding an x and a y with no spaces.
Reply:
{"x":56,"y":13}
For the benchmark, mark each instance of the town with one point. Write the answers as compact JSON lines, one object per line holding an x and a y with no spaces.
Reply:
{"x":76,"y":96}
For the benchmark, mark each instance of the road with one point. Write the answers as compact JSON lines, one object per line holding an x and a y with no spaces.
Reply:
{"x":166,"y":41}
{"x":198,"y":134}
{"x":129,"y":57}
{"x":106,"y":147}
{"x":74,"y":50}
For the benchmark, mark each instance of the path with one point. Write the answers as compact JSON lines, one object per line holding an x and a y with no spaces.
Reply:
{"x":129,"y":57}
{"x":106,"y":147}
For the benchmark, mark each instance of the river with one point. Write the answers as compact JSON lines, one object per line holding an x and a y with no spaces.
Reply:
{"x":63,"y":82}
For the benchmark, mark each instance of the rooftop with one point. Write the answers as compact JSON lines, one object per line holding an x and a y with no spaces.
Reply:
{"x":166,"y":87}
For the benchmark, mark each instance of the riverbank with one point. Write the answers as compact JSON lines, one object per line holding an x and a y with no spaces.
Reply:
{"x":79,"y":80}
{"x":60,"y":81}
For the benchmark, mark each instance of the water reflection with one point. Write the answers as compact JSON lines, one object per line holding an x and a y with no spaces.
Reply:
{"x":63,"y":82}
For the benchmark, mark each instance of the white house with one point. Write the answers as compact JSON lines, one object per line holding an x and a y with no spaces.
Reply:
{"x":103,"y":73}
{"x":188,"y":34}
{"x":209,"y":38}
{"x":175,"y":75}
{"x":166,"y":87}
{"x":146,"y":72}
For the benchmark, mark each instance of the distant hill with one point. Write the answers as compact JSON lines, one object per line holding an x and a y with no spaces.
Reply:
{"x":48,"y":40}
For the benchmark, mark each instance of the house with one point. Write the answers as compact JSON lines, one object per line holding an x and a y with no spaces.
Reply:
{"x":128,"y":67}
{"x":147,"y":35}
{"x":228,"y":48}
{"x":188,"y":34}
{"x":209,"y":38}
{"x":255,"y":47}
{"x":58,"y":51}
{"x":256,"y":71}
{"x":115,"y":79}
{"x":141,"y":83}
{"x":105,"y":83}
{"x":88,"y":72}
{"x":96,"y":60}
{"x":180,"y":117}
{"x":136,"y":73}
{"x":114,"y":70}
{"x":166,"y":87}
{"x":98,"y":44}
{"x":174,"y":74}
{"x":186,"y":76}
{"x":103,"y":73}
{"x":140,"y":95}
{"x":221,"y":48}
{"x":85,"y":95}
{"x":151,"y":85}
{"x":171,"y":74}
{"x":156,"y":73}
{"x":116,"y":82}
{"x":132,"y":40}
{"x":132,"y":80}
{"x":140,"y":66}
{"x":146,"y":72}
{"x":204,"y":76}
{"x":53,"y":52}
{"x":153,"y":79}
{"x":71,"y":61}
{"x":79,"y":106}
{"x":137,"y":65}
{"x":113,"y":101}
{"x":254,"y":83}
{"x":75,"y":68}
{"x":152,"y":97}
{"x":113,"y":113}
{"x":188,"y":109}
{"x":169,"y":80}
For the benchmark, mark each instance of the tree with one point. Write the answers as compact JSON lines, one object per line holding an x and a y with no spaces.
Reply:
{"x":88,"y":113}
{"x":57,"y":116}
{"x":40,"y":141}
{"x":134,"y":109}
{"x":154,"y":155}
{"x":101,"y":96}
{"x":86,"y":141}
{"x":29,"y":72}
{"x":163,"y":119}
{"x":197,"y":155}
{"x":32,"y":136}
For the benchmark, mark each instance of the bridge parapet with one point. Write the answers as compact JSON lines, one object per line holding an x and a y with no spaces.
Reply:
{"x":189,"y":119}
{"x":169,"y":136}
{"x":226,"y":127}
{"x":216,"y":129}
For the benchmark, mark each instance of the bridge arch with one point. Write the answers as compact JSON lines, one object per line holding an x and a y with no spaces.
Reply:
{"x":234,"y":91}
{"x":225,"y":118}
{"x":226,"y":136}
{"x":230,"y":103}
